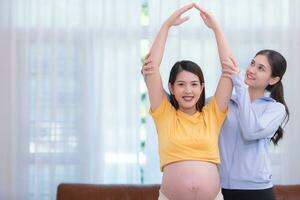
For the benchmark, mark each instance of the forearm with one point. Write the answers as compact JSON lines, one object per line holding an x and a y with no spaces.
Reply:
{"x":257,"y":126}
{"x":158,"y":46}
{"x":253,"y":125}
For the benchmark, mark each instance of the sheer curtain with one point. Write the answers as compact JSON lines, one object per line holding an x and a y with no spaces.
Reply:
{"x":249,"y":26}
{"x":70,"y":85}
{"x":72,"y":104}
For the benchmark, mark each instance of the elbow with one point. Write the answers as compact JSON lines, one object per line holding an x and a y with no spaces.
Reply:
{"x":249,"y":135}
{"x":252,"y":135}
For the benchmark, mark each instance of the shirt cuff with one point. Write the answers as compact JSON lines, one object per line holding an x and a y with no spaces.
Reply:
{"x":237,"y":80}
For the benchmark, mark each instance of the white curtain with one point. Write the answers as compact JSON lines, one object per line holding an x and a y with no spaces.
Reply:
{"x":250,"y":26}
{"x":72,"y":104}
{"x":71,"y":88}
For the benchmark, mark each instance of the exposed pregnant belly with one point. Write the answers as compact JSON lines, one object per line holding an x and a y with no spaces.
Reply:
{"x":190,"y":180}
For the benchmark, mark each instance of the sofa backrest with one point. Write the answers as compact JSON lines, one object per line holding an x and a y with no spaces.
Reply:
{"x":73,"y":191}
{"x":69,"y":191}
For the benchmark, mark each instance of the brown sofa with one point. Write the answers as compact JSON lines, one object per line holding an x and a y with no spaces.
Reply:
{"x":70,"y":191}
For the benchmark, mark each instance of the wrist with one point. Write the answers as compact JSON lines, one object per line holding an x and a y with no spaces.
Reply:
{"x":217,"y":29}
{"x":166,"y":25}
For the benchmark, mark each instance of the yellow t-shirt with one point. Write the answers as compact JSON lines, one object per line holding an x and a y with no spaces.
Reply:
{"x":188,"y":137}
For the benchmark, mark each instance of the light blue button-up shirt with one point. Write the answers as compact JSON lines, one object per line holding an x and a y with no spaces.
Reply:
{"x":245,"y":137}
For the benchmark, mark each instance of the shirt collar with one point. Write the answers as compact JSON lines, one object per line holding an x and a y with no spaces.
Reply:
{"x":234,"y":98}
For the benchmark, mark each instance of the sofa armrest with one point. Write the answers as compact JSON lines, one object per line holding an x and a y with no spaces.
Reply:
{"x":287,"y":192}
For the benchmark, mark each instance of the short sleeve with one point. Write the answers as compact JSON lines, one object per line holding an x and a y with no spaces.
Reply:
{"x":164,"y":109}
{"x":213,"y":115}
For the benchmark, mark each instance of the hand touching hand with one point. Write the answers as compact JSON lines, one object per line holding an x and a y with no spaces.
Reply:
{"x":207,"y":17}
{"x":176,"y":19}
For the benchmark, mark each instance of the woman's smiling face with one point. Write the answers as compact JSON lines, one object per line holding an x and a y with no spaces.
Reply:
{"x":187,"y":90}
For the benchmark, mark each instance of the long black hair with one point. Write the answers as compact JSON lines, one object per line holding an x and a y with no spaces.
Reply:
{"x":278,"y":66}
{"x":186,"y":65}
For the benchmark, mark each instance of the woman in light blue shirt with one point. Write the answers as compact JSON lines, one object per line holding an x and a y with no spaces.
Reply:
{"x":254,"y":120}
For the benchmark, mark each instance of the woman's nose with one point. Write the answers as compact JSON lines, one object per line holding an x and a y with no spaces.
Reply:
{"x":252,"y":69}
{"x":187,"y":89}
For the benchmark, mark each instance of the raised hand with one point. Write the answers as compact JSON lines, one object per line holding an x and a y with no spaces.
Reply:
{"x":176,"y":19}
{"x":207,"y":17}
{"x":153,"y":81}
{"x":229,"y":67}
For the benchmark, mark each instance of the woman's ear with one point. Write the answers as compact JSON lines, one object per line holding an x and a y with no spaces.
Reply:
{"x":170,"y":88}
{"x":274,"y":80}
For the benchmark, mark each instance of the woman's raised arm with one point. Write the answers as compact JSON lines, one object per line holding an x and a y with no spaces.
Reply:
{"x":153,"y":80}
{"x":224,"y":88}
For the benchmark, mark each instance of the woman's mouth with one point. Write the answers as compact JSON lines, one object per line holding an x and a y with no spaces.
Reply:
{"x":250,"y":77}
{"x":187,"y":98}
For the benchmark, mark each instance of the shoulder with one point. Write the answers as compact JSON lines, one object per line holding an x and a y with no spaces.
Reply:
{"x":213,"y":107}
{"x":164,"y":108}
{"x":272,"y":108}
{"x":276,"y":106}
